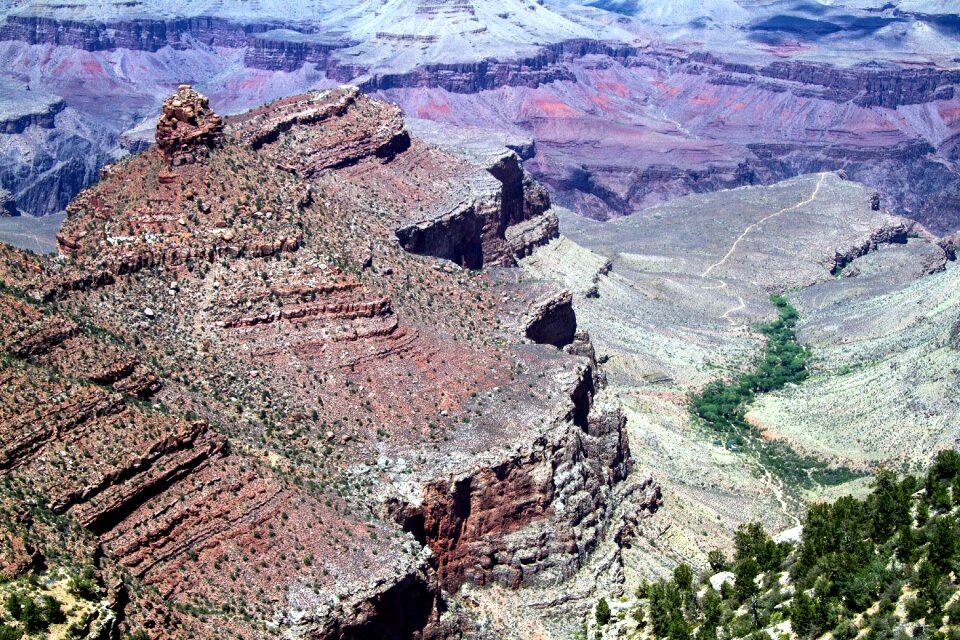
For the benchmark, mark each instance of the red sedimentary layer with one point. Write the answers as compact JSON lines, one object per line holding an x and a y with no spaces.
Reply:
{"x":238,"y":374}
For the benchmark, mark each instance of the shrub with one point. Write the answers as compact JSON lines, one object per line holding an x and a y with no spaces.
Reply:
{"x":916,"y":609}
{"x":9,"y":633}
{"x":84,"y":586}
{"x":32,"y":616}
{"x":717,"y":560}
{"x":602,"y":612}
{"x":666,"y":603}
{"x":53,"y":610}
{"x":14,"y":605}
{"x":846,"y":630}
{"x":683,"y":577}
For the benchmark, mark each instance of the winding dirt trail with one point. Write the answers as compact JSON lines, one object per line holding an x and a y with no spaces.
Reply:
{"x":721,"y":283}
{"x":775,"y":484}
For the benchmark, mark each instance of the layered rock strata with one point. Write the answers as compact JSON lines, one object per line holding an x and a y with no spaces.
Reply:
{"x":236,"y":384}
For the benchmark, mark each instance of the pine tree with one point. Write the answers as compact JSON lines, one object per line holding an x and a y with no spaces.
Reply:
{"x":53,"y":610}
{"x":717,"y":560}
{"x":602,"y":613}
{"x":942,"y":545}
{"x":745,"y":574}
{"x":683,"y":577}
{"x":712,"y":615}
{"x":802,"y":615}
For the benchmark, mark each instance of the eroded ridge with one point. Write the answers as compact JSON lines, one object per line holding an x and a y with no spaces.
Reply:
{"x":270,"y":417}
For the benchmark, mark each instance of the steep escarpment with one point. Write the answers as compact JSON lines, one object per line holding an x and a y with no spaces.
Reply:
{"x":7,"y":206}
{"x":17,"y":120}
{"x":269,"y":416}
{"x":604,"y":113}
{"x":492,"y":222}
{"x":532,"y":517}
{"x":870,"y":86}
{"x":474,"y":206}
{"x":145,"y":34}
{"x":647,"y":125}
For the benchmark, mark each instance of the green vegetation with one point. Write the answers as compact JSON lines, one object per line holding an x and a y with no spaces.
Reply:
{"x":84,"y":586}
{"x":879,"y":568}
{"x":9,"y":633}
{"x":603,"y":612}
{"x":32,"y":615}
{"x":722,"y":405}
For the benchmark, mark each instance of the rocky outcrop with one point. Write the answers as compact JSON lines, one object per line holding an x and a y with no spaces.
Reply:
{"x":896,"y":233}
{"x":338,"y":147}
{"x":340,"y":310}
{"x":531,"y":517}
{"x":950,"y":245}
{"x":19,"y":122}
{"x":188,"y":129}
{"x":289,"y":52}
{"x":410,"y":609}
{"x":553,"y":320}
{"x":128,"y":262}
{"x":7,"y":206}
{"x":493,"y":221}
{"x":488,"y":212}
{"x":343,"y":428}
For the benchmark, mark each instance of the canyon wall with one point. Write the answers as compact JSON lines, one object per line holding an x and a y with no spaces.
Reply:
{"x":890,"y":124}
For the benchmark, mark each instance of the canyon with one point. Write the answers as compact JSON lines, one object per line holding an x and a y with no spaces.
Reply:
{"x":625,"y":106}
{"x":674,"y":297}
{"x":383,"y":319}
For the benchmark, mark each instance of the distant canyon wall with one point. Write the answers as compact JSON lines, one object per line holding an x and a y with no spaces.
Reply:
{"x":916,"y":176}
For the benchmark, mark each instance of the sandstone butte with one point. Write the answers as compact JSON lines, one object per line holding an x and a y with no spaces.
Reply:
{"x":282,"y":380}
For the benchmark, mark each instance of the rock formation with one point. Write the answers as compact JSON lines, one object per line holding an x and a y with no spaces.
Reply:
{"x":188,"y":128}
{"x":743,"y":108}
{"x":553,"y":320}
{"x":951,"y":245}
{"x":7,"y":206}
{"x":236,"y":384}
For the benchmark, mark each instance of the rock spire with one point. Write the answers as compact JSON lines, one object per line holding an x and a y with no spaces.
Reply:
{"x":188,"y":128}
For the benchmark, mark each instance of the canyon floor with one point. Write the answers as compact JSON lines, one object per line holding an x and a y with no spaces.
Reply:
{"x":673,"y":297}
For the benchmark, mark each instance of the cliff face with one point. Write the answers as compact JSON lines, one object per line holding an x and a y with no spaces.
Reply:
{"x":44,"y":117}
{"x":278,"y":395}
{"x":627,"y":103}
{"x":531,"y":518}
{"x":142,"y":35}
{"x":493,"y":221}
{"x":869,"y":87}
{"x":7,"y":206}
{"x":475,"y":207}
{"x":269,"y":47}
{"x":600,"y":147}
